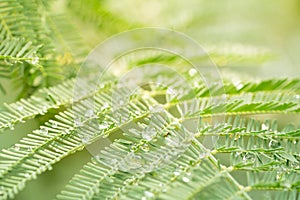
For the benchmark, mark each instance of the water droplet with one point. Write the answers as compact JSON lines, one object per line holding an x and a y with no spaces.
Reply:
{"x":264,"y":127}
{"x":103,"y":126}
{"x":17,"y":148}
{"x":286,"y":185}
{"x":237,"y":154}
{"x":278,"y":176}
{"x":274,"y":144}
{"x":137,"y":112}
{"x":113,"y":161}
{"x":176,"y":173}
{"x":130,"y":181}
{"x":185,"y":179}
{"x":171,"y":91}
{"x":86,"y":139}
{"x":157,"y":109}
{"x":249,"y":157}
{"x":45,"y":108}
{"x":27,"y":175}
{"x":145,"y":147}
{"x":130,"y":162}
{"x":295,"y":142}
{"x":192,"y":72}
{"x":29,"y":148}
{"x":35,"y":60}
{"x":44,"y":131}
{"x":105,"y":106}
{"x":238,"y":84}
{"x":149,"y":194}
{"x":295,"y":165}
{"x":120,"y":102}
{"x":176,"y":123}
{"x":89,"y":113}
{"x":148,"y":133}
{"x":237,"y":137}
{"x":20,"y":108}
{"x":54,"y":124}
{"x":78,"y":122}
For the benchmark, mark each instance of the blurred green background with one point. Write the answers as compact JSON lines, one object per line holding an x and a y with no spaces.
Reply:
{"x":267,"y":24}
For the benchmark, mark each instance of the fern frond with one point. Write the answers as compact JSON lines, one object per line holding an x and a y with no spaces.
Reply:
{"x":18,"y":50}
{"x":234,"y":54}
{"x":59,"y":138}
{"x":10,"y":16}
{"x":98,"y":178}
{"x":260,"y":102}
{"x":273,"y":179}
{"x":67,"y":39}
{"x":38,"y":104}
{"x":61,"y":95}
{"x":193,"y":172}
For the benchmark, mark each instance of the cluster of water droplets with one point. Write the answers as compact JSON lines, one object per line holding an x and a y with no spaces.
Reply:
{"x":35,"y":60}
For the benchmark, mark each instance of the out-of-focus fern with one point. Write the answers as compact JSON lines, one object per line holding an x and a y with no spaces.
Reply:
{"x":29,"y":49}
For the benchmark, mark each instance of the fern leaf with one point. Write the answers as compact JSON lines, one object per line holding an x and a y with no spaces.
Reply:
{"x":17,"y":51}
{"x":61,"y":96}
{"x":100,"y":177}
{"x":39,"y":151}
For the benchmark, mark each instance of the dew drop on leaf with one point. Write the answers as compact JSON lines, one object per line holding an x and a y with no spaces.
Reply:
{"x":274,"y":144}
{"x":295,"y":142}
{"x":20,"y":108}
{"x":130,"y":162}
{"x":249,"y":157}
{"x":264,"y":127}
{"x":185,"y":179}
{"x":105,"y":106}
{"x":156,"y":109}
{"x":148,"y":133}
{"x":85,"y":139}
{"x":137,"y":112}
{"x":149,"y":194}
{"x":103,"y":126}
{"x":176,"y":173}
{"x":54,"y":125}
{"x":27,"y":175}
{"x":78,"y":122}
{"x":171,"y":91}
{"x":44,"y":131}
{"x":35,"y":60}
{"x":145,"y":147}
{"x":192,"y":72}
{"x":17,"y":148}
{"x":89,"y":113}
